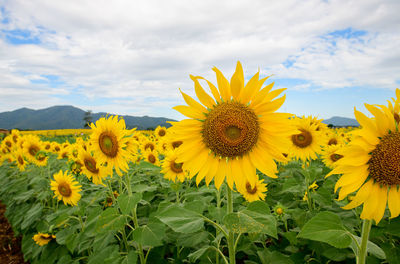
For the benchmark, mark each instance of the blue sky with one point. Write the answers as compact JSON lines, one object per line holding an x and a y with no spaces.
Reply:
{"x":131,"y":58}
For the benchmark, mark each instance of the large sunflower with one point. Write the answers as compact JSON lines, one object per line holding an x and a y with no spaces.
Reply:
{"x":232,"y":134}
{"x":371,"y":165}
{"x":108,"y":140}
{"x":92,"y":168}
{"x":66,"y":188}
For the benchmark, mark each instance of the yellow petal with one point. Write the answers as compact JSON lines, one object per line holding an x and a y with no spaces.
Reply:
{"x":394,"y":201}
{"x":213,"y":89}
{"x":197,"y":163}
{"x":371,"y":203}
{"x":229,"y":175}
{"x":202,"y":173}
{"x":249,"y":170}
{"x":350,"y":178}
{"x":270,"y":106}
{"x":273,"y":94}
{"x":263,"y":162}
{"x":223,"y":85}
{"x":214,"y":163}
{"x":220,"y":175}
{"x":189,"y":111}
{"x":191,"y":102}
{"x":381,"y":120}
{"x":361,"y":196}
{"x":204,"y":98}
{"x":259,"y":97}
{"x":251,"y":88}
{"x":347,"y":189}
{"x":237,"y":81}
{"x":364,"y":121}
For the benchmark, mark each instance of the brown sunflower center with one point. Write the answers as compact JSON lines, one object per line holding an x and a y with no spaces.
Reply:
{"x":384,"y":164}
{"x":332,"y":141}
{"x":47,"y":147}
{"x":57,"y":148}
{"x":176,"y":144}
{"x":8,"y":144}
{"x":15,"y":138}
{"x":20,"y":160}
{"x":251,"y":190}
{"x":108,"y":144}
{"x":161,"y":132}
{"x":46,"y":237}
{"x":149,"y":146}
{"x":231,"y":129}
{"x":40,"y":157}
{"x":64,"y":189}
{"x":176,"y":167}
{"x":33,"y":150}
{"x":151,"y":158}
{"x":302,"y":140}
{"x":90,"y":164}
{"x":335,"y":157}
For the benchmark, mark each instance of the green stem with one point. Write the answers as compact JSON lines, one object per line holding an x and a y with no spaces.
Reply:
{"x":231,"y":235}
{"x":135,"y":221}
{"x":362,"y":254}
{"x":220,"y":253}
{"x":218,"y":193}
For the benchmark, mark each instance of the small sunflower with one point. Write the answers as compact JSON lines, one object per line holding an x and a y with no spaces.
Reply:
{"x":66,"y":188}
{"x":370,"y":165}
{"x":160,"y":132}
{"x":108,"y":140}
{"x":254,"y":193}
{"x":307,"y":141}
{"x":32,"y":145}
{"x":19,"y":159}
{"x":92,"y":168}
{"x":151,"y":157}
{"x":232,"y":134}
{"x":330,"y":155}
{"x":43,"y":238}
{"x":172,"y":169}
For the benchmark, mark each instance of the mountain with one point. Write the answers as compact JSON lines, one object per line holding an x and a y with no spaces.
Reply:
{"x":64,"y":117}
{"x":341,"y":121}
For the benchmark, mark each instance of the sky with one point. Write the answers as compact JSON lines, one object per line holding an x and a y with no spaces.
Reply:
{"x":131,"y":57}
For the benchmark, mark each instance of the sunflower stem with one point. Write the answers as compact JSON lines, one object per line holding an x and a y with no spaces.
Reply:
{"x":135,"y":221}
{"x":231,"y":235}
{"x":362,"y":254}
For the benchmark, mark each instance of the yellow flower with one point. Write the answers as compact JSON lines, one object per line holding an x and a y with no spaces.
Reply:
{"x":151,"y":157}
{"x":232,"y":134}
{"x":66,"y":188}
{"x":330,"y":155}
{"x":43,"y":238}
{"x":92,"y":168}
{"x":19,"y":159}
{"x":305,"y":197}
{"x":172,"y":169}
{"x":254,"y":193}
{"x":108,"y":140}
{"x":31,"y":146}
{"x":306,"y":141}
{"x":370,"y":165}
{"x":313,"y":186}
{"x":160,"y":132}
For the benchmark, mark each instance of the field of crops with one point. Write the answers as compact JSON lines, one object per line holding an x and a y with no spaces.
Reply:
{"x":235,"y":182}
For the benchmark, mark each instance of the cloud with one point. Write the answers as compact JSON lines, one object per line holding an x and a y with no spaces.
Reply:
{"x":107,"y":50}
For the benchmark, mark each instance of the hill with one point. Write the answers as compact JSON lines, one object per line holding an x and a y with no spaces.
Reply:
{"x":341,"y":121}
{"x":64,"y":117}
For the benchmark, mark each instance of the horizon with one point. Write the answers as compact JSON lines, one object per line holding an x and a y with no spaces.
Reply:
{"x":132,"y":58}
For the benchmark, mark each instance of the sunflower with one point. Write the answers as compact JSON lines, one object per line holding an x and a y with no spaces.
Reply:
{"x":66,"y":188}
{"x":234,"y":133}
{"x":306,"y":141}
{"x":32,"y":145}
{"x":330,"y":155}
{"x":172,"y":169}
{"x":148,"y":145}
{"x":254,"y":193}
{"x":92,"y":168}
{"x":43,"y":238}
{"x":108,"y":140}
{"x":15,"y":135}
{"x":19,"y":159}
{"x":151,"y":157}
{"x":160,"y":132}
{"x":370,"y":165}
{"x":8,"y":143}
{"x":332,"y":138}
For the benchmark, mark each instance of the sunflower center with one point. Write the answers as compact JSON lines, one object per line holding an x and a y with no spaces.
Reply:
{"x":302,"y":140}
{"x":90,"y":164}
{"x":176,"y":144}
{"x":279,"y":211}
{"x":151,"y":158}
{"x":57,"y":148}
{"x":8,"y":143}
{"x":161,"y":133}
{"x":251,"y":190}
{"x":384,"y":164}
{"x":33,"y":150}
{"x":40,"y":157}
{"x":332,"y":141}
{"x":108,"y":144}
{"x":231,"y":129}
{"x":335,"y":157}
{"x":149,"y":146}
{"x":64,"y":189}
{"x":15,"y":138}
{"x":45,"y":237}
{"x":176,"y":167}
{"x":20,"y":160}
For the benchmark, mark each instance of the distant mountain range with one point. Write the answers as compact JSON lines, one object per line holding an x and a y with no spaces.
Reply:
{"x":341,"y":121}
{"x":64,"y":117}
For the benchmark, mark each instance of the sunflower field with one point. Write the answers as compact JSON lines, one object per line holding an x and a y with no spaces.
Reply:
{"x":237,"y":181}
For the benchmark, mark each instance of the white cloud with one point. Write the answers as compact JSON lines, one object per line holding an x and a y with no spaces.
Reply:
{"x":134,"y":50}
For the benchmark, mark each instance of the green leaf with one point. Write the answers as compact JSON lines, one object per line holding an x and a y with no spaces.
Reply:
{"x":110,"y":219}
{"x":251,"y":222}
{"x":107,"y":255}
{"x":371,"y":248}
{"x":193,"y":239}
{"x":131,"y":258}
{"x":193,"y":257}
{"x":150,"y":234}
{"x":275,"y":257}
{"x":32,"y":215}
{"x":180,"y":219}
{"x":259,"y":207}
{"x":327,"y":227}
{"x":127,"y":203}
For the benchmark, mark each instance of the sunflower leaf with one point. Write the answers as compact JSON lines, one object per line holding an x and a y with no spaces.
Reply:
{"x":371,"y":248}
{"x":127,"y":203}
{"x":180,"y":219}
{"x":327,"y":227}
{"x":251,"y":222}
